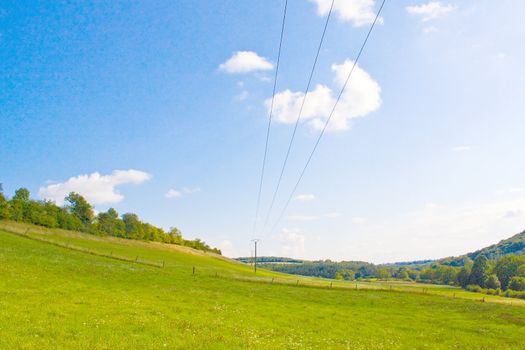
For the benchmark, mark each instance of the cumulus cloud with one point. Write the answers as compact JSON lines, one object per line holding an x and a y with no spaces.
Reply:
{"x":430,"y":10}
{"x":245,"y":62}
{"x":96,"y":188}
{"x":292,"y":242}
{"x":361,"y":97}
{"x":174,"y":193}
{"x":359,"y":12}
{"x":305,"y":197}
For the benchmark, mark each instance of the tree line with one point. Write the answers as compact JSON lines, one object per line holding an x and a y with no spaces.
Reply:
{"x":78,"y":215}
{"x":504,"y":276}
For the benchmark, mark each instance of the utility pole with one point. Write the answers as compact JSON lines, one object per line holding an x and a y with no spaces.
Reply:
{"x":255,"y":258}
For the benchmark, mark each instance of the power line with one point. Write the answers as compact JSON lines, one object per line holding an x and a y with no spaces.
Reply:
{"x":270,"y":118}
{"x":298,"y":116}
{"x":329,"y":117}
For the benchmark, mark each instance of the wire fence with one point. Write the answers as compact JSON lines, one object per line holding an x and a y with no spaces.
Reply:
{"x":197,"y":271}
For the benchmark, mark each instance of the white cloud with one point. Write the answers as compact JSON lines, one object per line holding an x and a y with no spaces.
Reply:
{"x":313,"y":217}
{"x":292,"y":242}
{"x":430,"y":10}
{"x":430,"y":29}
{"x":227,"y":248}
{"x":461,"y":148}
{"x":514,"y":213}
{"x":431,"y":205}
{"x":96,"y":188}
{"x":358,"y":220}
{"x":361,"y":97}
{"x":448,"y":230}
{"x":305,"y":197}
{"x":302,"y":217}
{"x":510,"y":191}
{"x":245,"y":62}
{"x":243,"y":95}
{"x":359,"y":12}
{"x":173,"y":193}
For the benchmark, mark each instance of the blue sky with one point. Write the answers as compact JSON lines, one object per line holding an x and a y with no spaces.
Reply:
{"x":149,"y":107}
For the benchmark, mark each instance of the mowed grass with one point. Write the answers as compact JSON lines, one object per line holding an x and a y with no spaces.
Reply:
{"x":53,"y":297}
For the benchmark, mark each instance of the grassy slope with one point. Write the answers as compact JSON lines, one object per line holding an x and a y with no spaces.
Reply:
{"x":52,"y":297}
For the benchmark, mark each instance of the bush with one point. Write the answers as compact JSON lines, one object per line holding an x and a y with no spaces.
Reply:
{"x":474,"y":288}
{"x":513,"y":294}
{"x":517,"y":283}
{"x":492,"y":282}
{"x":492,"y":291}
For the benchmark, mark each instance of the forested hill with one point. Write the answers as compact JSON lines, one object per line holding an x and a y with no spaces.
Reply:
{"x":79,"y":215}
{"x":514,"y":245}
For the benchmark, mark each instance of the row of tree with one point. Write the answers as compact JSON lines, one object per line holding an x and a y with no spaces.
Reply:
{"x":78,"y":215}
{"x":505,"y":274}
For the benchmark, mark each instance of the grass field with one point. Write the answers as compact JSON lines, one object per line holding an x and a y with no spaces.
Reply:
{"x":63,"y":290}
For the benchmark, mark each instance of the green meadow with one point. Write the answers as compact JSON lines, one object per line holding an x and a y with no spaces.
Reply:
{"x":67,"y":290}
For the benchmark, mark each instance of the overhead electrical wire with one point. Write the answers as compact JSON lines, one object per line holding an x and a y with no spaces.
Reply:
{"x":298,"y":116}
{"x":270,"y":118}
{"x":283,"y":211}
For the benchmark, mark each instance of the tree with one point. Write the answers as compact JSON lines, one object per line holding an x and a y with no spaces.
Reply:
{"x":175,"y":235}
{"x":110,"y":224}
{"x":507,"y":267}
{"x":22,"y":194}
{"x":383,"y":273}
{"x":19,"y":206}
{"x":521,"y":271}
{"x":133,"y":226}
{"x":517,"y":283}
{"x":80,"y":207}
{"x":492,"y":282}
{"x":463,"y":276}
{"x":345,"y":274}
{"x":480,"y":270}
{"x":402,"y":273}
{"x":4,"y":207}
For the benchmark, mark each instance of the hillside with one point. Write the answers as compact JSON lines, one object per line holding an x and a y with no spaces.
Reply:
{"x":68,"y":290}
{"x":513,"y":245}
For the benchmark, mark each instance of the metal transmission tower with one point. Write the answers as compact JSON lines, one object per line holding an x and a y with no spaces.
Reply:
{"x":255,"y":254}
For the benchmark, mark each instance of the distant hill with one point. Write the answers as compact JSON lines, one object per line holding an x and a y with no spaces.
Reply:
{"x":270,"y":260}
{"x":328,"y":268}
{"x":513,"y":245}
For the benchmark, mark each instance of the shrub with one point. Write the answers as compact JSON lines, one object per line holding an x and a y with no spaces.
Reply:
{"x":474,"y":288}
{"x":514,"y":294}
{"x":517,"y":283}
{"x":492,"y":282}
